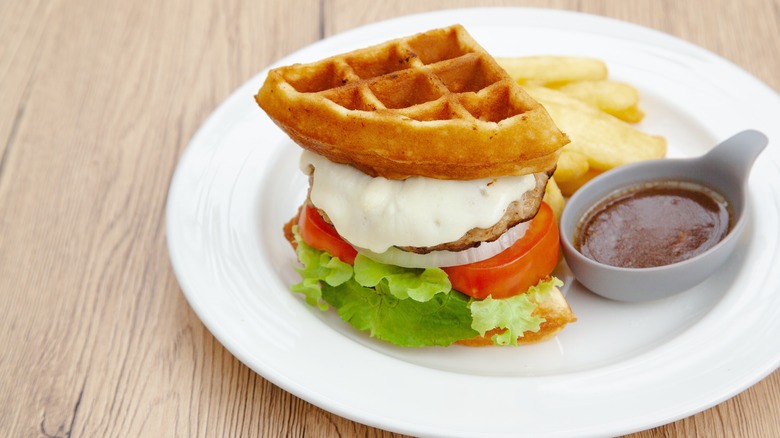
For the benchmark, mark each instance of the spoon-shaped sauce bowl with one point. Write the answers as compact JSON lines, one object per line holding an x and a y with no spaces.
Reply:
{"x":725,"y":169}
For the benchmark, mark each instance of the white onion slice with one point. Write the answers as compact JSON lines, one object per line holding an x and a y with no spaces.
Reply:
{"x":443,"y":259}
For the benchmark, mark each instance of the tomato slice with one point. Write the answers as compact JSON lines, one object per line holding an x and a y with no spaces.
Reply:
{"x":323,"y":236}
{"x":514,"y":270}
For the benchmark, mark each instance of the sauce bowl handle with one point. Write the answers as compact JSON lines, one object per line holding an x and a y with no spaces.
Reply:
{"x":736,"y":154}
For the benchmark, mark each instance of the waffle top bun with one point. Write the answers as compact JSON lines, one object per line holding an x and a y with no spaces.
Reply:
{"x":434,"y":104}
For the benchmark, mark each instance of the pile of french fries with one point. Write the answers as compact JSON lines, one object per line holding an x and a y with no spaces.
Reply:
{"x":598,"y":115}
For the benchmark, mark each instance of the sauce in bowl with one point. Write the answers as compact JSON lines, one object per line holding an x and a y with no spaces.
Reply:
{"x":725,"y":169}
{"x":653,"y":224}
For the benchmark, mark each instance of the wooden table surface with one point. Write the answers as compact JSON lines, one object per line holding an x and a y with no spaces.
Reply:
{"x":98,"y":100}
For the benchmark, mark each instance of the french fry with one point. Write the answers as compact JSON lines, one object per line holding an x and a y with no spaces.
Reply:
{"x":554,"y":198}
{"x":568,"y":188}
{"x":630,"y":115}
{"x":571,"y":165}
{"x":595,"y":112}
{"x":607,"y":141}
{"x":616,"y":98}
{"x":546,"y":70}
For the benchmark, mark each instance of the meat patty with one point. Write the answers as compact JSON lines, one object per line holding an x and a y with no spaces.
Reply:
{"x":518,"y":211}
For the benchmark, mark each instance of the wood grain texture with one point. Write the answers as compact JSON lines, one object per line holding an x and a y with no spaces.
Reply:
{"x":97,"y":102}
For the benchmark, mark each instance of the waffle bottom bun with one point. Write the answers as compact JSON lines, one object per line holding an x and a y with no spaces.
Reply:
{"x":556,"y":313}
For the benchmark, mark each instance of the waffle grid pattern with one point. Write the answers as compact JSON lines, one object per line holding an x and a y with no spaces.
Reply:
{"x":434,"y":104}
{"x":438,"y":75}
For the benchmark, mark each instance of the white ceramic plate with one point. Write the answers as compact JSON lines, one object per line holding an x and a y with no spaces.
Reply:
{"x":620,"y":368}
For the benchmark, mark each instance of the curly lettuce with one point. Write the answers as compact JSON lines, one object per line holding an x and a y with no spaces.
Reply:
{"x":514,"y":314}
{"x":418,"y":284}
{"x":317,"y":267}
{"x":408,"y":306}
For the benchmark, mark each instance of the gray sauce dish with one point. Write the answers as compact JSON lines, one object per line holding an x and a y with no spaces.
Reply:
{"x":724,"y":169}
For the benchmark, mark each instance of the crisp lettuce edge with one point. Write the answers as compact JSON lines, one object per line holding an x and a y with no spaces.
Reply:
{"x":371,"y":295}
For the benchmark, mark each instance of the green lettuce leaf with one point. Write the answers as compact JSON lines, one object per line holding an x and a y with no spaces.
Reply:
{"x":513,"y":314}
{"x":402,"y":283}
{"x":442,"y":320}
{"x":410,"y":307}
{"x":317,"y":267}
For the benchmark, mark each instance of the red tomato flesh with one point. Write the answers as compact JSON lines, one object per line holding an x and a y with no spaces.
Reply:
{"x":323,"y":236}
{"x":514,"y":270}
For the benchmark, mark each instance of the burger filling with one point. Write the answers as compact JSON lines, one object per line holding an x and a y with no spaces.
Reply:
{"x":419,"y":214}
{"x":355,"y":235}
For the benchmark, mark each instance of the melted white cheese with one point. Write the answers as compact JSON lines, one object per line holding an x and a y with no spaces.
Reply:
{"x":377,"y":213}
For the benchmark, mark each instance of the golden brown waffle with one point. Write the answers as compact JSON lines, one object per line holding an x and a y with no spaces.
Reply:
{"x":435,"y":104}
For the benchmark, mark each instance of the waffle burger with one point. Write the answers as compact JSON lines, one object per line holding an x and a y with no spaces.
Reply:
{"x":424,"y":222}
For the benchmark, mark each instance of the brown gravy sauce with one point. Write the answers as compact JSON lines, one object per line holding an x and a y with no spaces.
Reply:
{"x":653,"y":224}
